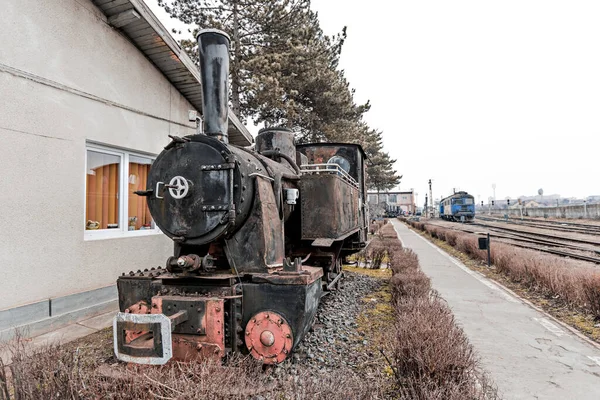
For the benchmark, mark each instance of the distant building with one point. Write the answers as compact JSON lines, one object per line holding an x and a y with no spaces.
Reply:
{"x":532,"y":204}
{"x":394,"y":201}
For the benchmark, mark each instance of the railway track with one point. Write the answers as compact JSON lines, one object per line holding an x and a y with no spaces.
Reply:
{"x":547,"y":243}
{"x":587,"y":229}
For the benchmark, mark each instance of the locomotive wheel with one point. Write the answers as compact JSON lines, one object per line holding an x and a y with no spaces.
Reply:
{"x":268,"y":337}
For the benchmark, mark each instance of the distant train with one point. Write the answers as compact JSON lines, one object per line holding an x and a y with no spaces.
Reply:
{"x":458,"y":207}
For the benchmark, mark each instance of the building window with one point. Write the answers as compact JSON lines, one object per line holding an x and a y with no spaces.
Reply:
{"x":404,"y":197}
{"x":392,"y":198}
{"x":372,"y":198}
{"x":112,"y":209}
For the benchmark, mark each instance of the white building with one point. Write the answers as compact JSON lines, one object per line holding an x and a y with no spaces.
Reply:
{"x":392,"y":201}
{"x":90,"y":91}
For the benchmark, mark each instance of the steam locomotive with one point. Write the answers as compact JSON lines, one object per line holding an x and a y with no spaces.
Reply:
{"x":258,"y":235}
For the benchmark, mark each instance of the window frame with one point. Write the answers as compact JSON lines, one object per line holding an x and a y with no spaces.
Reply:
{"x":123,"y":229}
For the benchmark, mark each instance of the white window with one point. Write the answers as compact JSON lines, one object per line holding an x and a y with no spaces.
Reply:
{"x":111,"y":207}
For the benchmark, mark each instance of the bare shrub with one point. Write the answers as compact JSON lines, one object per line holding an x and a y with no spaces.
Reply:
{"x":373,"y":228}
{"x":469,"y":245}
{"x":590,"y":284}
{"x":432,"y":356}
{"x":394,"y":248}
{"x":361,"y":258}
{"x":382,"y":249}
{"x":451,"y":237}
{"x":410,"y":283}
{"x":377,"y":253}
{"x":42,"y":373}
{"x":405,"y":260}
{"x":388,"y":231}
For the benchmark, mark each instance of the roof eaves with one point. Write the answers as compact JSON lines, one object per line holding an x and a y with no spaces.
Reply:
{"x":186,"y":77}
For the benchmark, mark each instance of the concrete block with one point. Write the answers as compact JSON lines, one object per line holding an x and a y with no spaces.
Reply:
{"x":76,"y":301}
{"x":52,"y":323}
{"x":17,"y":316}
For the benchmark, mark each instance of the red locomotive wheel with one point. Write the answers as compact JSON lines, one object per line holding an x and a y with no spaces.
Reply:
{"x":269,"y":337}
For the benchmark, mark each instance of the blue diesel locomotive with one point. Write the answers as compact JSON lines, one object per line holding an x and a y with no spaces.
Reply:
{"x":457,"y":206}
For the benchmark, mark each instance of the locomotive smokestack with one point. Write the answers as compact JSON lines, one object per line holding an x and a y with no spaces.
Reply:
{"x":213,"y":49}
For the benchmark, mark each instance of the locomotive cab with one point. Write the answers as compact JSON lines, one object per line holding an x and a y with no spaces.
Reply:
{"x":335,"y":210}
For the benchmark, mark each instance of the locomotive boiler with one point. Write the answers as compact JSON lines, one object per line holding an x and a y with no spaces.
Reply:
{"x":259,"y":234}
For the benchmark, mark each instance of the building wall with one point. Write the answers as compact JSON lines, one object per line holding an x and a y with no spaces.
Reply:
{"x":394,"y":201}
{"x":591,"y":211}
{"x":54,"y":55}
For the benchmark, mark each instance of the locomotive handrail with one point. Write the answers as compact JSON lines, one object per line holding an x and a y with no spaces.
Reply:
{"x":328,"y":168}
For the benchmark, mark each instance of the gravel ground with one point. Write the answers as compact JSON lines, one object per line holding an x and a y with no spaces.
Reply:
{"x":337,"y":346}
{"x":334,"y":341}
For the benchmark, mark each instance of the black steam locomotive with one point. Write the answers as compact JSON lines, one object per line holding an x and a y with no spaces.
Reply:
{"x":258,"y":235}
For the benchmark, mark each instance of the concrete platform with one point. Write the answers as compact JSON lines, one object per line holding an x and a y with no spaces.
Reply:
{"x":528,"y":354}
{"x":68,"y":333}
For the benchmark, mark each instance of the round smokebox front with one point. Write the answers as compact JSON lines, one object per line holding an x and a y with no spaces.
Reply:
{"x":194,"y":187}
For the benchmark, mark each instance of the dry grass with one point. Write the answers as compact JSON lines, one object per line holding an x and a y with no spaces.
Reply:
{"x":578,"y":286}
{"x":65,"y":372}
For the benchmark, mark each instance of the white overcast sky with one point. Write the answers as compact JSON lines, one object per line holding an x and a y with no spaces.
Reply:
{"x":472,"y":93}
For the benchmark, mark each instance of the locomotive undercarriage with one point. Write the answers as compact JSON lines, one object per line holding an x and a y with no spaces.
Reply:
{"x":207,"y":315}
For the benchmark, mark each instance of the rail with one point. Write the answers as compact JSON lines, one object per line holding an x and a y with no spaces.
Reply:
{"x":329,"y":168}
{"x":534,"y":241}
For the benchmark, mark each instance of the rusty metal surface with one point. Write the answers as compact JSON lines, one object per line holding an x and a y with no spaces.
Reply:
{"x":329,"y":207}
{"x":203,"y":330}
{"x":260,"y":241}
{"x":320,"y":153}
{"x":307,"y":276}
{"x":269,"y":337}
{"x":140,"y":307}
{"x":156,"y":350}
{"x":296,"y":303}
{"x":279,"y":139}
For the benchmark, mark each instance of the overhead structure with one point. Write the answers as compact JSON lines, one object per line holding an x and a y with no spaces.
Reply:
{"x":140,"y":26}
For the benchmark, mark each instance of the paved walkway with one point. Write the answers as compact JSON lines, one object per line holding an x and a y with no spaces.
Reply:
{"x":528,"y":355}
{"x":67,"y":333}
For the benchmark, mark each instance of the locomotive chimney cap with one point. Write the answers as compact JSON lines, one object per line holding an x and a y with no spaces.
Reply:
{"x":275,"y":128}
{"x":212,"y":30}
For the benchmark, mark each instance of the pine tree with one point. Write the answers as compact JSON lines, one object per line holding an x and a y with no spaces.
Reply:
{"x":284,"y":72}
{"x":381,"y":175}
{"x":251,"y":24}
{"x":299,"y":85}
